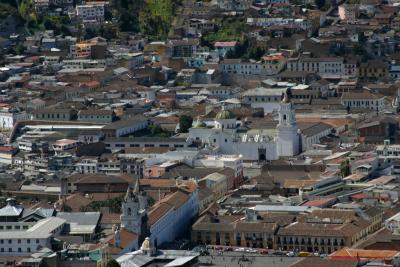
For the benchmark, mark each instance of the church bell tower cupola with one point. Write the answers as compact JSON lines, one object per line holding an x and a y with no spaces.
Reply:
{"x":134,"y":209}
{"x":288,"y":133}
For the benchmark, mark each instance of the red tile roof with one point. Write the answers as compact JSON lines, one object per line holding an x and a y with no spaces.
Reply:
{"x":317,"y":202}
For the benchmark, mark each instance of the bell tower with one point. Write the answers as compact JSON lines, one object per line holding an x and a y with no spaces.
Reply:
{"x":288,"y":132}
{"x":134,"y":209}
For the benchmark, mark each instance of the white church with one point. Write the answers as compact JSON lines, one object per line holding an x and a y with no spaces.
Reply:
{"x":227,"y":137}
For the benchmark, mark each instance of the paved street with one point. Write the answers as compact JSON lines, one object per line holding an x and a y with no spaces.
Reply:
{"x":234,"y":260}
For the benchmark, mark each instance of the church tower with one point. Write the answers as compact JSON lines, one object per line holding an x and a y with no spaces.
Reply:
{"x":134,"y":210}
{"x":288,"y":143}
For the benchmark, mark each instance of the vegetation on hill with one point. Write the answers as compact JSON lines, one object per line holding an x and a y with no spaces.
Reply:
{"x":228,"y":29}
{"x":151,"y":17}
{"x":7,"y":10}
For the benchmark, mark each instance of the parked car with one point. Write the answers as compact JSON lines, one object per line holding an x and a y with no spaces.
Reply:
{"x":264,"y":251}
{"x":290,"y":254}
{"x":278,"y":253}
{"x":304,"y":254}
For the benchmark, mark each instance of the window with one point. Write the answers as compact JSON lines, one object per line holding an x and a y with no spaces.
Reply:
{"x":19,"y":250}
{"x":9,"y":241}
{"x":28,"y":241}
{"x":28,"y":249}
{"x":37,"y":241}
{"x":19,"y":241}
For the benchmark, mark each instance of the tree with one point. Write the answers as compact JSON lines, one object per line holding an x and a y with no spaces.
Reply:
{"x":345,"y":168}
{"x":112,"y":263}
{"x":319,"y":3}
{"x":185,"y":122}
{"x":66,"y":208}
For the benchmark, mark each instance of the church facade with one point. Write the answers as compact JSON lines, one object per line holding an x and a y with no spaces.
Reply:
{"x":227,"y":137}
{"x":166,"y":220}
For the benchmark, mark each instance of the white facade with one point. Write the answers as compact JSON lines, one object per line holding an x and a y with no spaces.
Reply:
{"x":28,"y":238}
{"x":322,"y":66}
{"x":255,"y":144}
{"x":231,"y":161}
{"x":236,"y":66}
{"x":363,"y":100}
{"x":176,"y":221}
{"x":393,"y":224}
{"x":288,"y":137}
{"x":269,"y":22}
{"x":267,"y":98}
{"x":8,"y":119}
{"x":140,"y":125}
{"x":93,"y":11}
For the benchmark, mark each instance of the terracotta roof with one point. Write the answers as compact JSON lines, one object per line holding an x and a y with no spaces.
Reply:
{"x":362,"y":253}
{"x":110,"y":218}
{"x":319,"y":229}
{"x":126,"y":238}
{"x":158,"y":211}
{"x":317,"y":202}
{"x":104,"y":179}
{"x":359,"y":196}
{"x":172,"y":201}
{"x":318,"y":262}
{"x":298,"y":183}
{"x":168,"y":183}
{"x":6,"y":148}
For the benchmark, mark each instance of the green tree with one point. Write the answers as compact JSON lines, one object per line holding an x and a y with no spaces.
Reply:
{"x":345,"y":168}
{"x":112,"y":263}
{"x":319,"y":3}
{"x":185,"y":122}
{"x":66,"y":208}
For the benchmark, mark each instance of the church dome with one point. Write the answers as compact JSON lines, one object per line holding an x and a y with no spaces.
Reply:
{"x":285,"y":98}
{"x":224,"y":115}
{"x":146,"y":245}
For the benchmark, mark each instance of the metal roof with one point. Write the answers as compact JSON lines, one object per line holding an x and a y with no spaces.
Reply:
{"x":42,"y":229}
{"x":80,"y":222}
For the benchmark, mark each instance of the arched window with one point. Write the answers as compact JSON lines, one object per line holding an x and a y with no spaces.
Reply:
{"x":284,"y":117}
{"x":129,"y":211}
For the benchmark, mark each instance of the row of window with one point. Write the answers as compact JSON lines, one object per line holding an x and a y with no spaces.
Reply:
{"x":263,"y":99}
{"x":147,"y":145}
{"x":361,"y":103}
{"x":16,"y":227}
{"x":19,"y":241}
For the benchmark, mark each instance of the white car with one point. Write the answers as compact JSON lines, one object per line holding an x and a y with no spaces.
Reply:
{"x":290,"y":254}
{"x":240,"y":249}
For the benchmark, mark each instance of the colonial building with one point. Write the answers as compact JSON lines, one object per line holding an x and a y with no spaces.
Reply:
{"x":252,"y":145}
{"x":308,"y":229}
